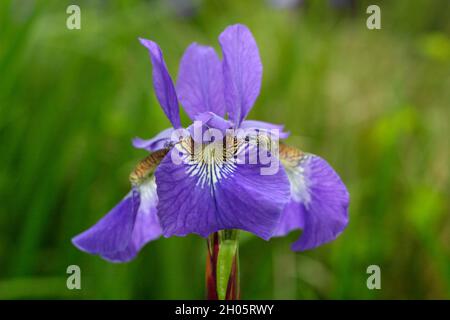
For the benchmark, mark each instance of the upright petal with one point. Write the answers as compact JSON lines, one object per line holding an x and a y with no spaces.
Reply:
{"x":208,"y":191}
{"x":200,"y":81}
{"x":162,"y":82}
{"x":242,"y":70}
{"x":319,"y":200}
{"x":157,"y":142}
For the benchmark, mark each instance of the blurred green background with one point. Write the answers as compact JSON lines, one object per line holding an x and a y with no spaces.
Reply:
{"x":375,"y":104}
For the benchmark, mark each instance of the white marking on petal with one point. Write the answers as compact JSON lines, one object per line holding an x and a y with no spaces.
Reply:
{"x":212,"y":162}
{"x":299,"y":181}
{"x":147,"y":191}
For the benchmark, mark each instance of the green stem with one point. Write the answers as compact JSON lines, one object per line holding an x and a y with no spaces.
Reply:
{"x":222,"y":270}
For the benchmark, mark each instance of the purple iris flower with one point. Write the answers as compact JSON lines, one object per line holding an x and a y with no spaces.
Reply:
{"x":206,"y":193}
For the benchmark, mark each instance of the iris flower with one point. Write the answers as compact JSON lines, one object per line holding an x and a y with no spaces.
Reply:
{"x":204,"y":193}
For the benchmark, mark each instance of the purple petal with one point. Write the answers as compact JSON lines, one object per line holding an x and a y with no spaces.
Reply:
{"x":162,"y":83}
{"x":200,"y":131}
{"x":242,"y":70}
{"x":155,"y":143}
{"x":112,"y":233}
{"x":147,"y":227}
{"x":200,"y":81}
{"x":261,"y":125}
{"x":291,"y":218}
{"x":202,"y":197}
{"x":319,"y":203}
{"x":120,"y":235}
{"x":212,"y":120}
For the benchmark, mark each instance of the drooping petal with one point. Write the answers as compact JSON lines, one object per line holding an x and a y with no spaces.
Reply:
{"x":242,"y":70}
{"x":146,"y":227}
{"x":157,"y":142}
{"x":292,"y":218}
{"x":119,"y":235}
{"x":112,"y":233}
{"x":261,"y":125}
{"x":162,"y":83}
{"x":200,"y":81}
{"x":319,"y":200}
{"x":206,"y":191}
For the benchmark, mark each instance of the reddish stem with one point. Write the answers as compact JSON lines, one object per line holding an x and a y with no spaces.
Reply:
{"x":211,"y":266}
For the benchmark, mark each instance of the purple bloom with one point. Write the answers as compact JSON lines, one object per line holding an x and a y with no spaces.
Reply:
{"x":206,"y":190}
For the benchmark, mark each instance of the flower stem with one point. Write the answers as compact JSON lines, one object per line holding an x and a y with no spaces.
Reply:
{"x":222,"y":266}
